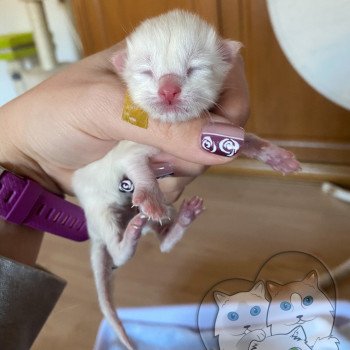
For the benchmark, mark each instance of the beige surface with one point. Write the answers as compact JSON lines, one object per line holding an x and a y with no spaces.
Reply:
{"x":247,"y":221}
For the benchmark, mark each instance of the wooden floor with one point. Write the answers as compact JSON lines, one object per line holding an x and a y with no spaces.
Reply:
{"x":247,"y":221}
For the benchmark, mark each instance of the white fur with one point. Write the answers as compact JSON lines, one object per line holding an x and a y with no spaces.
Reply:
{"x":179,"y":43}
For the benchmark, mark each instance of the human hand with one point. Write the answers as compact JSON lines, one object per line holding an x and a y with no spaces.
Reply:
{"x":73,"y":119}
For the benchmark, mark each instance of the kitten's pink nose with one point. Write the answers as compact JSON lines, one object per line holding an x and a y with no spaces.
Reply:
{"x":169,"y":88}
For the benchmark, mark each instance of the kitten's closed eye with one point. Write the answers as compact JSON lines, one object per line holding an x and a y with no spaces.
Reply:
{"x":195,"y":69}
{"x":147,"y":72}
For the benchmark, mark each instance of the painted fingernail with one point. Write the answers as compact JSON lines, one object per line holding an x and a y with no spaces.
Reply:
{"x":222,"y":139}
{"x":162,"y":170}
{"x":126,"y":186}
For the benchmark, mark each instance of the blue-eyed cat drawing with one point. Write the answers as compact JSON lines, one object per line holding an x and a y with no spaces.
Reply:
{"x":241,"y":318}
{"x":302,"y":303}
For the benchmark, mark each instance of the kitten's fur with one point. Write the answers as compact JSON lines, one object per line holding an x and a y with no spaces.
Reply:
{"x":238,"y":334}
{"x":294,"y":340}
{"x":182,"y":45}
{"x":316,"y":318}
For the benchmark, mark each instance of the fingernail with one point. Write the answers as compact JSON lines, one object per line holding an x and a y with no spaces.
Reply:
{"x":222,"y":139}
{"x":126,"y":185}
{"x":162,"y":170}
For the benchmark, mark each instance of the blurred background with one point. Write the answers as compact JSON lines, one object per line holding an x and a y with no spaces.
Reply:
{"x":253,"y":212}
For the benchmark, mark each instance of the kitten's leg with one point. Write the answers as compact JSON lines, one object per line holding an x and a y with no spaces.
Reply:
{"x":147,"y":194}
{"x":104,"y":226}
{"x":123,"y":250}
{"x":276,"y":157}
{"x":172,"y":232}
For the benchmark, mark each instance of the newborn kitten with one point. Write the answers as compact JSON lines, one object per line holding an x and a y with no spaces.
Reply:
{"x":174,"y":68}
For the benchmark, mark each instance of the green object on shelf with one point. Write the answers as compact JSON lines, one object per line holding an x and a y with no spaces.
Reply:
{"x":16,"y":46}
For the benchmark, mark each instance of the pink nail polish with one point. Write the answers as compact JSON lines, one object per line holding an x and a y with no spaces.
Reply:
{"x":162,"y":170}
{"x":222,"y":139}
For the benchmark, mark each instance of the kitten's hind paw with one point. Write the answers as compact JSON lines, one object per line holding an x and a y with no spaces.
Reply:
{"x":124,"y":250}
{"x":280,"y":159}
{"x":189,"y":210}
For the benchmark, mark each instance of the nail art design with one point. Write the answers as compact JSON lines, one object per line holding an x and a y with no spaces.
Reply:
{"x":222,"y":139}
{"x":126,"y":186}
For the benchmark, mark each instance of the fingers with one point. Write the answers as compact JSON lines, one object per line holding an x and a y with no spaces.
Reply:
{"x":201,"y":140}
{"x":205,"y":139}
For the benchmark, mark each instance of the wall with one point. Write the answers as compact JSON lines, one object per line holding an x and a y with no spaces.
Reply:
{"x":13,"y":19}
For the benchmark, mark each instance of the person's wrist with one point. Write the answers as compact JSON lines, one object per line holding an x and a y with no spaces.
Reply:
{"x":13,"y":156}
{"x":19,"y":243}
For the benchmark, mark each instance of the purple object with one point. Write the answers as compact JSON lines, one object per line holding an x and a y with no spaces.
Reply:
{"x":222,"y":139}
{"x":25,"y":202}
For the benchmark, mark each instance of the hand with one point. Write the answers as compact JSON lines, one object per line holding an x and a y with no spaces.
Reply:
{"x":74,"y":118}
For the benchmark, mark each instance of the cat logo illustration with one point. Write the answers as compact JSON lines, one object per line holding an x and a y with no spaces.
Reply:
{"x":241,"y":317}
{"x":299,"y":316}
{"x":302,"y":303}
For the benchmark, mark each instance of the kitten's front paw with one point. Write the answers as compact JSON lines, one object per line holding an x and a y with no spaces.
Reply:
{"x":328,"y":343}
{"x":280,"y":159}
{"x":151,"y":203}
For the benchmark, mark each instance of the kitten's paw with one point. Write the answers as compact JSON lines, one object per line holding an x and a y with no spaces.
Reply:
{"x":151,"y":203}
{"x":189,"y":210}
{"x":279,"y":159}
{"x":124,"y":250}
{"x":328,"y":343}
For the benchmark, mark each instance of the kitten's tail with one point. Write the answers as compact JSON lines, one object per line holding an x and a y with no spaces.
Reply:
{"x":102,"y":268}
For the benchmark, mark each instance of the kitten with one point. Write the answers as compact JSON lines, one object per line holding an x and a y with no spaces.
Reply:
{"x":302,"y":303}
{"x":174,"y":68}
{"x":241,"y":318}
{"x":294,"y":340}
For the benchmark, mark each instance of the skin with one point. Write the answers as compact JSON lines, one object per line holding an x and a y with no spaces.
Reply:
{"x":73,"y":119}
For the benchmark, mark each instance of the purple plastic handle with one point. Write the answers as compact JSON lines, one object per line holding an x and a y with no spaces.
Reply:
{"x":25,"y":202}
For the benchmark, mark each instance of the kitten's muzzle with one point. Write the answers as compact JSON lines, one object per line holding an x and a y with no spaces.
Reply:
{"x":169,"y":88}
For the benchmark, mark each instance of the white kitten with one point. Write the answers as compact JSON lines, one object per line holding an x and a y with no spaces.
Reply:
{"x":174,"y":67}
{"x":180,"y":49}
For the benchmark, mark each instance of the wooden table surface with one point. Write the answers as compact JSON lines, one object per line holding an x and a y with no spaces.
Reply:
{"x":247,"y":221}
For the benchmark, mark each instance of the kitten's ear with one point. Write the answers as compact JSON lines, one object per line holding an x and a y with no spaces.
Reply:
{"x":119,"y":59}
{"x":220,"y":298}
{"x":272,"y":288}
{"x":229,"y":49}
{"x":259,"y":289}
{"x":311,"y":278}
{"x":298,"y":333}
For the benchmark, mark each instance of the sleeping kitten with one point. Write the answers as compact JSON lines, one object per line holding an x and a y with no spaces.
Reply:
{"x":302,"y":303}
{"x":294,"y":340}
{"x":241,"y":318}
{"x":174,"y":68}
